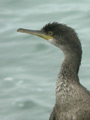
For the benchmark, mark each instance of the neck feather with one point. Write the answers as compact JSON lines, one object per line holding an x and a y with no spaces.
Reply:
{"x":70,"y":66}
{"x":68,"y":76}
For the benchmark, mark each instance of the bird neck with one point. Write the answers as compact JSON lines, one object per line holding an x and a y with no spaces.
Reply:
{"x":70,"y":67}
{"x":68,"y":78}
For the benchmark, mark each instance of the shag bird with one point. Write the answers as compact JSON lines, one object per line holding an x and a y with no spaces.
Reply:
{"x":72,"y":98}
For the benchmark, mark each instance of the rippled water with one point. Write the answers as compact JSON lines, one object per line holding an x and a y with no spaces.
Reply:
{"x":28,"y":64}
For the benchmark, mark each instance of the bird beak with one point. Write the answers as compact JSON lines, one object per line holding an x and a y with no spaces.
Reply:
{"x":38,"y":33}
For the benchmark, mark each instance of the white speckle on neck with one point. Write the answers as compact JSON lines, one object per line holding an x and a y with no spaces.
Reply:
{"x":74,"y":117}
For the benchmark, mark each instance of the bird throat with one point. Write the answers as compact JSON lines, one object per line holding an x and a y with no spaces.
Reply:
{"x":67,"y":80}
{"x":68,"y":73}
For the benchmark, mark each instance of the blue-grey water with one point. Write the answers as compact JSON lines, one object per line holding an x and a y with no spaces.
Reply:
{"x":29,"y":65}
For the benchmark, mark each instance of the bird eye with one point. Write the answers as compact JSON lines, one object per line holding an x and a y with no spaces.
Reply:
{"x":50,"y":33}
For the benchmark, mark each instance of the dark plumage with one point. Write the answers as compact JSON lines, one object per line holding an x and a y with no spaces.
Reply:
{"x":66,"y":38}
{"x":72,"y":99}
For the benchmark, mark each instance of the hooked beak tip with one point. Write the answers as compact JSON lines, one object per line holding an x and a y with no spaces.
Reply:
{"x":19,"y":30}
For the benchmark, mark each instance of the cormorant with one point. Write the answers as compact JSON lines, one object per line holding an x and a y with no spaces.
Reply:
{"x":72,"y":99}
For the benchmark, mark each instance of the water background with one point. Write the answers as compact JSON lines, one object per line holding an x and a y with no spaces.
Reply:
{"x":29,"y":65}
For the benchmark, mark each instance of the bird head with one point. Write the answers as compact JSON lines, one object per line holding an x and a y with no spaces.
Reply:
{"x":57,"y":34}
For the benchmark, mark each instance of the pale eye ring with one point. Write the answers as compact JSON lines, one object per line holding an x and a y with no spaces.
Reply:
{"x":50,"y":33}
